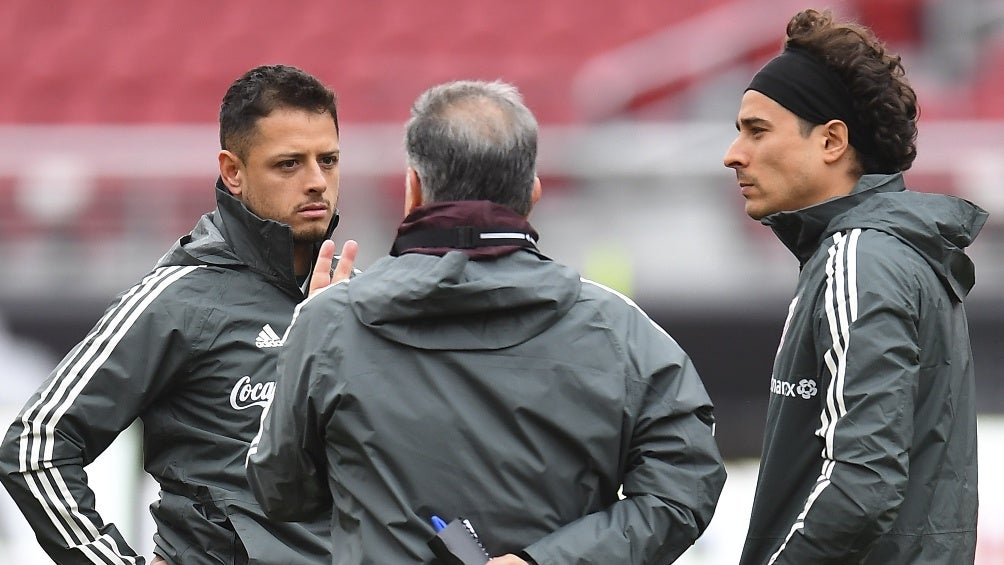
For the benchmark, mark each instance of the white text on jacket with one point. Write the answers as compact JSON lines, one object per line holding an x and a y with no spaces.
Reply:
{"x":246,"y":395}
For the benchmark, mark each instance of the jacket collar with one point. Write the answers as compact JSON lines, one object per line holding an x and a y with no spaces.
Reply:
{"x":265,"y":246}
{"x":801,"y":231}
{"x":479,"y":228}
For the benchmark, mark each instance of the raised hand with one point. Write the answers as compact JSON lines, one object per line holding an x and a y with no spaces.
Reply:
{"x":323,"y":275}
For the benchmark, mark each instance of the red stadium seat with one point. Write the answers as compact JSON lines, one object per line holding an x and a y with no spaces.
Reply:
{"x":120,"y":61}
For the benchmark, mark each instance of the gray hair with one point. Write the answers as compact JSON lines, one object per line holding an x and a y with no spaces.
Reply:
{"x":473,"y":140}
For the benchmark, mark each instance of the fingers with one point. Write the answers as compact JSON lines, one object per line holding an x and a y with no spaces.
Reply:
{"x":345,"y":261}
{"x":507,"y":559}
{"x":321,"y":275}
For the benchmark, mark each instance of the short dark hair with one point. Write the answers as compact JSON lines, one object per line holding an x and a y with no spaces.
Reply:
{"x":883,"y":99}
{"x":260,"y":91}
{"x":473,"y":140}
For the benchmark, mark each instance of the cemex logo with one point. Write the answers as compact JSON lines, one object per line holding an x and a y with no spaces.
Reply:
{"x":268,"y":338}
{"x":806,"y":388}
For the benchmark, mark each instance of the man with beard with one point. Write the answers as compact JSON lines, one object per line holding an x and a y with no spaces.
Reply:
{"x":191,"y":350}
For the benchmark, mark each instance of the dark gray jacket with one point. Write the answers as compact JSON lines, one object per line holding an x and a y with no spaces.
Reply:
{"x":509,"y":392}
{"x":870,"y":447}
{"x":191,"y":350}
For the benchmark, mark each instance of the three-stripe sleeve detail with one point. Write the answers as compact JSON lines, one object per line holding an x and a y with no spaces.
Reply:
{"x":841,"y":309}
{"x":39,"y":421}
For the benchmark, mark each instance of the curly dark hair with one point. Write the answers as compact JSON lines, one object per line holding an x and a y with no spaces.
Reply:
{"x":261,"y":90}
{"x":875,"y":78}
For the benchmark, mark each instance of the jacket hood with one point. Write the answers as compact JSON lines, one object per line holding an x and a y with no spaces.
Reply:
{"x":939,"y":227}
{"x":454,"y":302}
{"x":234,"y":236}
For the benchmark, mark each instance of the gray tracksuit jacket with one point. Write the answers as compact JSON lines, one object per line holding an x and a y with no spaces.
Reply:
{"x":869,"y":453}
{"x":191,"y":350}
{"x":509,"y":392}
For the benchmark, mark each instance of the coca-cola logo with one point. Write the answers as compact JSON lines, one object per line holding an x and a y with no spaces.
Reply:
{"x":245,"y":394}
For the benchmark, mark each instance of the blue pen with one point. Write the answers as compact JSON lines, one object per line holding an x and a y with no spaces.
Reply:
{"x":437,"y":523}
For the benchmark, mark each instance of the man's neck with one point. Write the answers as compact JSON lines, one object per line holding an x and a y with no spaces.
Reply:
{"x":841,"y":186}
{"x":302,"y":255}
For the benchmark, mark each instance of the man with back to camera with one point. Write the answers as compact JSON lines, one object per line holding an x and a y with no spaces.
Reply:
{"x":192,"y":348}
{"x":869,"y":452}
{"x":475,"y":378}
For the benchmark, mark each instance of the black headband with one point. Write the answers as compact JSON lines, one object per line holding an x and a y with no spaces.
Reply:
{"x":811,"y":90}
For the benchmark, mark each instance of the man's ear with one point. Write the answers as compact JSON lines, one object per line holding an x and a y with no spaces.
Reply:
{"x":836,"y":141}
{"x":412,"y":191}
{"x":230,"y":171}
{"x":535,"y":194}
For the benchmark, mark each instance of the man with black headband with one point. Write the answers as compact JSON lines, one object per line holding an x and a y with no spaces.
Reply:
{"x":468,"y":376}
{"x":869,"y":454}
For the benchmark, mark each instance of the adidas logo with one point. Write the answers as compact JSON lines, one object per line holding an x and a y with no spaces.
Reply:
{"x":268,"y":338}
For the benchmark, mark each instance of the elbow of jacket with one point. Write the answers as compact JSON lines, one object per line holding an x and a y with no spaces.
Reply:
{"x":278,"y":508}
{"x":284,"y":507}
{"x":279,"y":512}
{"x":715,"y":485}
{"x":285,"y":496}
{"x":9,"y":465}
{"x":707,"y":490}
{"x":286,"y":512}
{"x":877,"y":506}
{"x":887,"y":509}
